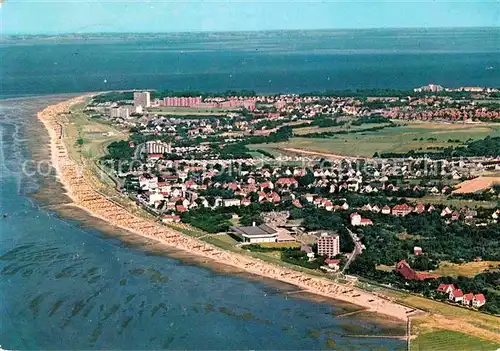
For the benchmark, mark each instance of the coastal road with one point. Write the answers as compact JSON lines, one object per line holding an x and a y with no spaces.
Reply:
{"x":357,"y":249}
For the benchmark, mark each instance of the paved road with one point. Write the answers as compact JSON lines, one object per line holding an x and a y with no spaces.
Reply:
{"x":357,"y":250}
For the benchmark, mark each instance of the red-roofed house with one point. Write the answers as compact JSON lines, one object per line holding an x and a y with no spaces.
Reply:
{"x":478,"y":300}
{"x":445,"y":288}
{"x":401,"y":210}
{"x":288,"y":182}
{"x":406,"y":271}
{"x":467,"y":300}
{"x":420,"y":208}
{"x":365,"y":222}
{"x":386,"y":210}
{"x":456,"y":295}
{"x":180,"y":208}
{"x":333,"y":263}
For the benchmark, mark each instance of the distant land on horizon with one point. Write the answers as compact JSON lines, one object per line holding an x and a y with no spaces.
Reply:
{"x":239,"y":32}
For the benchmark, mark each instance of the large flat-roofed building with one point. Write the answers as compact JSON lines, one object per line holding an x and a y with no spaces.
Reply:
{"x":142,"y":98}
{"x":329,"y":245}
{"x":182,"y":101}
{"x":256,"y":233}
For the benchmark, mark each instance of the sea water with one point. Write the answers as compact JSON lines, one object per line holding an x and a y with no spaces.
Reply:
{"x":268,"y":62}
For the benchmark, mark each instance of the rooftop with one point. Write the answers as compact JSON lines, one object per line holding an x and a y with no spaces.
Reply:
{"x":257,"y":230}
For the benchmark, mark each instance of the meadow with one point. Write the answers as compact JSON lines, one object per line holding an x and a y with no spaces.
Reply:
{"x":446,"y":340}
{"x":418,"y":136}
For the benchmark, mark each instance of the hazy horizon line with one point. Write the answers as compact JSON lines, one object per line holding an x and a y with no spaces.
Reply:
{"x":6,"y":34}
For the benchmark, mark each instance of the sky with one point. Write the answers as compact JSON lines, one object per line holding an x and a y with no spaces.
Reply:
{"x":90,"y":16}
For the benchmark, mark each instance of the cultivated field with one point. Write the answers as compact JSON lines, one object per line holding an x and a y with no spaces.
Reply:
{"x":476,"y":184}
{"x":420,"y":136}
{"x":446,"y":340}
{"x":468,"y":269}
{"x":316,"y":129}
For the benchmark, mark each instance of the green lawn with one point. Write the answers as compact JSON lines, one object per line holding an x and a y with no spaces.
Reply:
{"x":316,"y":129}
{"x":423,"y":136}
{"x":449,"y":340}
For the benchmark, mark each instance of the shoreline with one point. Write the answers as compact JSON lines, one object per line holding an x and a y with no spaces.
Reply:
{"x":84,"y":196}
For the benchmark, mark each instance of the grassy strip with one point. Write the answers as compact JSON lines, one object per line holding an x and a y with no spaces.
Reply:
{"x":445,"y":340}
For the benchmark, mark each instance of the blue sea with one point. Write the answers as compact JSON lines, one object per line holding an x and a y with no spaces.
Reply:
{"x":68,"y":281}
{"x":267,"y":62}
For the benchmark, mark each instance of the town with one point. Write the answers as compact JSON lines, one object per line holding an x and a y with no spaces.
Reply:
{"x":199,"y":164}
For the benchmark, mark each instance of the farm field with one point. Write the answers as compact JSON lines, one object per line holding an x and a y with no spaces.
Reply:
{"x":316,"y":129}
{"x":452,"y":202}
{"x":445,"y":340}
{"x":476,"y":184}
{"x":468,"y":269}
{"x":421,"y":136}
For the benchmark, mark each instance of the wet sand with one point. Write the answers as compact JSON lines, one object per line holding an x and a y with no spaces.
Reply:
{"x":80,"y":188}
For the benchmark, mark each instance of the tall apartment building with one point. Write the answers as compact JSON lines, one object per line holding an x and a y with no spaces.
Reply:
{"x":142,"y":98}
{"x":119,"y":112}
{"x":329,"y":245}
{"x":175,"y":101}
{"x":158,"y":147}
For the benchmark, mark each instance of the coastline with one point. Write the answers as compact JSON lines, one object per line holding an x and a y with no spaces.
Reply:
{"x":84,"y":196}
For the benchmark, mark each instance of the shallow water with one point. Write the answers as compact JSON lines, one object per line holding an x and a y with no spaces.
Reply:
{"x":67,"y":285}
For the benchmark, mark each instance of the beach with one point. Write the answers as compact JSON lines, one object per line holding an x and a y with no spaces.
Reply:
{"x":82,"y":190}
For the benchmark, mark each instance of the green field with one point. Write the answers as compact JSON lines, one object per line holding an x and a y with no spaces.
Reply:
{"x":419,"y":136}
{"x":348,"y":127}
{"x":449,"y":340}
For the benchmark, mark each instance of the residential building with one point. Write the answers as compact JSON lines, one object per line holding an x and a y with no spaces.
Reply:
{"x":158,"y":147}
{"x":408,"y":273}
{"x":119,"y":112}
{"x":478,"y":300}
{"x":456,"y":295}
{"x":329,"y":245}
{"x":142,"y":98}
{"x":401,"y":210}
{"x":445,"y":288}
{"x":333,"y":263}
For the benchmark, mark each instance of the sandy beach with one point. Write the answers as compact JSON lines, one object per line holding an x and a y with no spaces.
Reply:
{"x":83,"y":192}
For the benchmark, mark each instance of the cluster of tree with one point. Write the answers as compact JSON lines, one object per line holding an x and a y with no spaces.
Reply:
{"x":113,"y":96}
{"x":486,"y":283}
{"x":490,"y":146}
{"x":207,"y":220}
{"x":341,"y":132}
{"x":392,"y":239}
{"x":325,"y":122}
{"x":119,"y":150}
{"x":320,"y":219}
{"x":371,"y":119}
{"x":299,"y":258}
{"x":265,"y":153}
